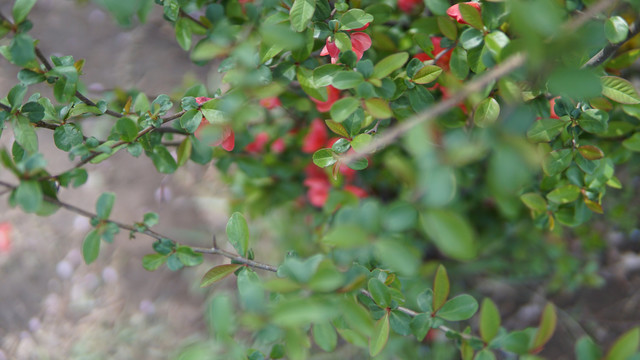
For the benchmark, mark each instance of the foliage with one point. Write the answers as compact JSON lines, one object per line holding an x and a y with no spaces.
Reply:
{"x":462,"y":133}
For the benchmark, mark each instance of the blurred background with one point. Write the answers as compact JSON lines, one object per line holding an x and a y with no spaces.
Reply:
{"x":52,"y":305}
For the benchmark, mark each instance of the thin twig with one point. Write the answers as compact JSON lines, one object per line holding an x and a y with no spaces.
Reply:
{"x":603,"y":55}
{"x":440,"y":108}
{"x":4,"y":107}
{"x":185,"y":15}
{"x":153,"y":234}
{"x":79,"y":95}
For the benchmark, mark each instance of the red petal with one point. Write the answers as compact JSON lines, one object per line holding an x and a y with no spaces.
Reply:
{"x":361,"y":193}
{"x":552,"y":102}
{"x":228,"y":139}
{"x":316,"y":138}
{"x":201,"y":100}
{"x":257,"y":145}
{"x":278,"y":146}
{"x":333,"y":95}
{"x":454,"y":11}
{"x":360,"y":29}
{"x":5,"y":237}
{"x":360,"y":42}
{"x":270,"y":102}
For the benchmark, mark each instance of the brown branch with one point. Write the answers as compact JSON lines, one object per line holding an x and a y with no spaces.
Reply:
{"x":153,"y":234}
{"x":608,"y":51}
{"x":185,"y":15}
{"x":78,"y":94}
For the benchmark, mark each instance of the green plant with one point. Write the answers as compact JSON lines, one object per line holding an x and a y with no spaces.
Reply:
{"x":463,"y":134}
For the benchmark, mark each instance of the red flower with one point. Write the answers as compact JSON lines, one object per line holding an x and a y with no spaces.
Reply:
{"x":278,"y":146}
{"x":443,"y":61}
{"x":454,"y":11}
{"x":333,"y":95}
{"x":316,"y":138}
{"x":5,"y":237}
{"x":228,"y":139}
{"x":408,"y":5}
{"x":360,"y":42}
{"x":359,"y":192}
{"x":552,"y":102}
{"x":318,"y":192}
{"x":270,"y":103}
{"x":257,"y":146}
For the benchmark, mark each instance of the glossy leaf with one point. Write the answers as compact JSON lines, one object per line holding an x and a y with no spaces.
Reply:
{"x":564,"y":194}
{"x":91,"y":246}
{"x":162,"y":159}
{"x":616,"y":29}
{"x":218,"y":273}
{"x":440,"y":288}
{"x":625,"y":346}
{"x":546,"y":328}
{"x":378,"y":108}
{"x":188,"y":257}
{"x":343,"y":108}
{"x":21,"y":9}
{"x":324,"y":158}
{"x":104,"y":205}
{"x":325,"y":336}
{"x":380,"y":336}
{"x":354,"y":19}
{"x":489,"y":320}
{"x":619,"y":90}
{"x":557,"y":161}
{"x":420,"y":325}
{"x":461,"y":307}
{"x":238,"y":233}
{"x":301,"y":13}
{"x":486,"y":113}
{"x":451,"y":233}
{"x":427,"y":74}
{"x":67,"y":136}
{"x":152,"y":262}
{"x":389,"y":64}
{"x":29,"y":196}
{"x":471,"y":15}
{"x":591,"y":152}
{"x":534,"y":201}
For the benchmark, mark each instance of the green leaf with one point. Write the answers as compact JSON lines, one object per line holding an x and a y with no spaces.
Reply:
{"x":380,"y":293}
{"x":471,"y":38}
{"x":632,"y":143}
{"x":104,"y":205}
{"x":471,"y":15}
{"x":250,"y":290}
{"x":619,"y":90}
{"x":25,"y":134}
{"x":337,"y":128}
{"x":127,"y":128}
{"x":354,"y":19}
{"x":616,"y":29}
{"x":29,"y":195}
{"x":327,"y":277}
{"x":495,"y":42}
{"x":458,"y":63}
{"x":305,"y":78}
{"x":447,"y":27}
{"x":557,"y":161}
{"x":420,"y":325}
{"x":183,"y":33}
{"x":400,"y":322}
{"x":22,"y":49}
{"x":301,"y":14}
{"x":184,"y":151}
{"x":16,"y":95}
{"x":188,"y":257}
{"x":324,"y":158}
{"x":546,"y":328}
{"x":343,"y":108}
{"x":190,"y":120}
{"x":359,"y":164}
{"x":486,"y":113}
{"x":29,"y":77}
{"x":461,"y":307}
{"x":489,"y":320}
{"x":21,"y":9}
{"x":485,"y":354}
{"x":440,"y":288}
{"x":380,"y":336}
{"x":591,"y":152}
{"x":347,"y":80}
{"x":451,"y":233}
{"x":427,"y":74}
{"x":218,"y":273}
{"x":67,"y":136}
{"x":361,"y":142}
{"x":152,"y":262}
{"x":162,"y":159}
{"x":623,"y":60}
{"x":238,"y":233}
{"x":586,"y":349}
{"x":302,"y":311}
{"x":625,"y":346}
{"x":91,"y":246}
{"x":534,"y":201}
{"x":378,"y":108}
{"x":346,"y":236}
{"x":325,"y":336}
{"x":389,"y":64}
{"x":564,"y":194}
{"x":594,"y":121}
{"x":323,"y":75}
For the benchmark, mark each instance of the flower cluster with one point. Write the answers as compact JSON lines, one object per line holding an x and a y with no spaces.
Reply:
{"x":360,"y":42}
